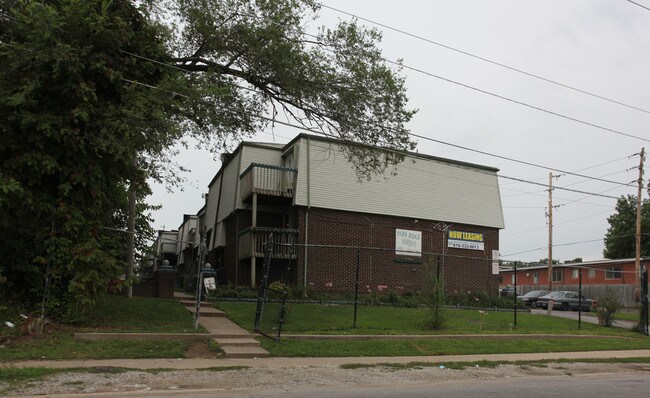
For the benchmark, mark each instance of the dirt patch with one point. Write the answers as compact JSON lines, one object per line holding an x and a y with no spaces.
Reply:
{"x":202,"y":349}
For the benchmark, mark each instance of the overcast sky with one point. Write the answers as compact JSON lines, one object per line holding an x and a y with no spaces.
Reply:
{"x":599,"y":46}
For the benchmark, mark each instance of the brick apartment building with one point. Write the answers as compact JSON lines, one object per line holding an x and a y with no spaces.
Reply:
{"x":597,"y":277}
{"x":325,"y":222}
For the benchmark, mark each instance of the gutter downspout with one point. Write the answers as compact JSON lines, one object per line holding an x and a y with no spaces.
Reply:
{"x":235,"y":210}
{"x":304,"y":271}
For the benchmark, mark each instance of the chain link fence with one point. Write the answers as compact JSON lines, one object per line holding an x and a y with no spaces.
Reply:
{"x":327,"y":289}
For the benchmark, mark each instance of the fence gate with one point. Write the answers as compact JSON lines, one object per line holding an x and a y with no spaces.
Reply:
{"x":271,"y":304}
{"x":272,"y":314}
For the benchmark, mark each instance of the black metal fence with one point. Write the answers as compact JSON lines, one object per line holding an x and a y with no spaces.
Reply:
{"x":339,"y":288}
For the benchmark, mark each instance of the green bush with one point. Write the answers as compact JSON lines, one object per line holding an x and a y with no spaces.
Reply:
{"x":481,"y":300}
{"x":231,"y":291}
{"x":607,"y":307}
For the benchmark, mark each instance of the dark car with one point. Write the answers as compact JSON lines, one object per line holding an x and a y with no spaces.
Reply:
{"x":530,"y":298}
{"x":565,"y":301}
{"x":507,"y":291}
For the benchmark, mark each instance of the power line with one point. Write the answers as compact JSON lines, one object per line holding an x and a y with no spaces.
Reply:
{"x":556,"y":187}
{"x":637,"y":4}
{"x":334,"y":137}
{"x":486,"y":59}
{"x":517,"y":160}
{"x":414,"y":135}
{"x":560,"y":115}
{"x":560,"y":223}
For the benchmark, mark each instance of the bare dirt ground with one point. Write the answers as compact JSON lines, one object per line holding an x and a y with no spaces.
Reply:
{"x":113,"y":380}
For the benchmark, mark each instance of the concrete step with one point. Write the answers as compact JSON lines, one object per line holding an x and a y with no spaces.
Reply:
{"x":236,"y":342}
{"x":244,"y":352}
{"x":223,"y":327}
{"x":191,"y":303}
{"x":208,"y":312}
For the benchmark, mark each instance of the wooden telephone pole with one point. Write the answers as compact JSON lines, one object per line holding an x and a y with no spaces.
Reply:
{"x":637,"y":262}
{"x":550,"y":232}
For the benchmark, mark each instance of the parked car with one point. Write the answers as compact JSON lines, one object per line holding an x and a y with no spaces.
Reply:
{"x":530,"y":298}
{"x":507,"y":291}
{"x":565,"y":301}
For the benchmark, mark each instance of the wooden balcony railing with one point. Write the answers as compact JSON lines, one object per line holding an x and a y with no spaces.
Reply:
{"x":269,"y":180}
{"x":252,"y":240}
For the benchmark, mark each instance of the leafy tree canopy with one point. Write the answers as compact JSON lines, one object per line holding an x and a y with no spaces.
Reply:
{"x":94,"y":93}
{"x":620,"y":239}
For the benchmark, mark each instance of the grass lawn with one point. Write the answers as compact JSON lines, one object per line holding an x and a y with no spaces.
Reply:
{"x":111,"y":314}
{"x":139,"y":314}
{"x":334,"y":319}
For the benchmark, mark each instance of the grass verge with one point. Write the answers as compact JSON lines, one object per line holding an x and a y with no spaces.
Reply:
{"x":488,"y":364}
{"x":12,"y":378}
{"x":444,"y":346}
{"x":64,"y":346}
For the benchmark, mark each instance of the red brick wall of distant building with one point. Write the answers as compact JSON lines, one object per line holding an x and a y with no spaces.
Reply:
{"x":539,"y":276}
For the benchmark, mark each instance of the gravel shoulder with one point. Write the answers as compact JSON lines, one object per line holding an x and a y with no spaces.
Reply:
{"x":107,"y":380}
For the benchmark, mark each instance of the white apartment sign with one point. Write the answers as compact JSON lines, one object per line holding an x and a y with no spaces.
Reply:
{"x":495,"y":262}
{"x":465,"y":240}
{"x":408,"y":243}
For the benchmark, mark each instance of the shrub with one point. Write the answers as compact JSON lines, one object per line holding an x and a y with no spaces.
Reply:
{"x":434,"y":291}
{"x":606,"y":308}
{"x":482,"y":300}
{"x":230,"y":291}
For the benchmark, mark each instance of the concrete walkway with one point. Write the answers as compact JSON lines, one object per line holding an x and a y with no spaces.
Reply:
{"x":585,"y":318}
{"x":198,"y":363}
{"x":233,"y":340}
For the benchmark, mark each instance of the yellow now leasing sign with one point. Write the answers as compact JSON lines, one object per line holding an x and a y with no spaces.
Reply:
{"x":465,"y":240}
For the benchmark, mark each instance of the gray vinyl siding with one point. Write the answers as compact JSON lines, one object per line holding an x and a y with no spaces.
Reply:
{"x":211,"y":204}
{"x":230,"y":186}
{"x":422,"y":188}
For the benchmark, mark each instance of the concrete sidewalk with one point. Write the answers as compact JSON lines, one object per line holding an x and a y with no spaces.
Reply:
{"x":319,"y":362}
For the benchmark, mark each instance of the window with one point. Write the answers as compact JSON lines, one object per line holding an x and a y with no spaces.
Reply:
{"x":558,"y":275}
{"x":575,"y":274}
{"x":591,"y":274}
{"x":512,"y":278}
{"x":535,"y":277}
{"x":613,"y":272}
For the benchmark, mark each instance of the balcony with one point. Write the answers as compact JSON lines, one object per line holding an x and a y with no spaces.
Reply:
{"x":268,"y":180}
{"x":252,"y":240}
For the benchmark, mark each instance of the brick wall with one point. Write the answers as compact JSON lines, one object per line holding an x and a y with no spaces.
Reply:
{"x":334,"y":269}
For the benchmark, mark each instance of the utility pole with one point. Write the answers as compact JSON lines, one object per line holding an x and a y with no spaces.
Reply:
{"x":550,"y":232}
{"x":637,"y":262}
{"x":130,"y":242}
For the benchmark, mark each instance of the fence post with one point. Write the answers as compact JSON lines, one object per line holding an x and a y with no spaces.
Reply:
{"x":644,"y":285}
{"x":356,"y":288}
{"x":580,"y":298}
{"x":515,"y":295}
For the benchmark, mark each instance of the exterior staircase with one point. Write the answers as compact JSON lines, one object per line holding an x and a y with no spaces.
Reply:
{"x":233,"y":340}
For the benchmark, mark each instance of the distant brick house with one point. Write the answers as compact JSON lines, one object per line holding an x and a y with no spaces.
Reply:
{"x":597,"y":277}
{"x":306,"y":193}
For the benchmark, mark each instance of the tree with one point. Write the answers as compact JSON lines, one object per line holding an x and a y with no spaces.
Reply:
{"x":71,"y":129}
{"x":574,"y":261}
{"x":94,"y":93}
{"x":620,"y":239}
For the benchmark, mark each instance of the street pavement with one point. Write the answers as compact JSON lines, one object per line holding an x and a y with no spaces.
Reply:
{"x":586,"y":317}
